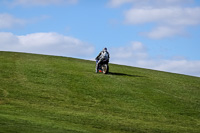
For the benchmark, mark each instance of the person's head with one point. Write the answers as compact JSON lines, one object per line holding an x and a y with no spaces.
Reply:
{"x":105,"y":49}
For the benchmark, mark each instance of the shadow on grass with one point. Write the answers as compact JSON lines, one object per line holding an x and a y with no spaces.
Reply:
{"x":123,"y":74}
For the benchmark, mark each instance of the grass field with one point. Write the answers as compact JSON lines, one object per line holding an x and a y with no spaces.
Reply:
{"x":50,"y":94}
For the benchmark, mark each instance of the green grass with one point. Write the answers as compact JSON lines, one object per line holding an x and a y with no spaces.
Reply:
{"x":50,"y":94}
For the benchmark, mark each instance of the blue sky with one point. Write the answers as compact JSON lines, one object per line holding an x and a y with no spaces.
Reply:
{"x":156,"y":34}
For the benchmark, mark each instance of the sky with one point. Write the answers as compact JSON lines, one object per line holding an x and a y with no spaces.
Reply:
{"x":161,"y":35}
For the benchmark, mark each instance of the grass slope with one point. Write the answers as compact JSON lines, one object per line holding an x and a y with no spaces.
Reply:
{"x":50,"y":94}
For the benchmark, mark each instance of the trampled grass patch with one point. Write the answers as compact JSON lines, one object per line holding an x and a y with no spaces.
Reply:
{"x":51,"y":94}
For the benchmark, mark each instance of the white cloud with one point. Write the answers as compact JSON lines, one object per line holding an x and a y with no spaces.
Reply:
{"x":135,"y":50}
{"x":180,"y":66}
{"x":45,"y":43}
{"x":135,"y":54}
{"x":40,"y":2}
{"x":142,"y":3}
{"x":164,"y":31}
{"x":165,"y":16}
{"x":9,"y":21}
{"x":170,"y":17}
{"x":8,"y":40}
{"x":169,"y":21}
{"x":117,"y":3}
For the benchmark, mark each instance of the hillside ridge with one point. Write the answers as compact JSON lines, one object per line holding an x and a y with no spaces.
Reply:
{"x":42,"y":93}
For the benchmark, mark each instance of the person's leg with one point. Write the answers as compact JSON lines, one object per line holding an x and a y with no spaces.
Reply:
{"x":96,"y":70}
{"x":97,"y":65}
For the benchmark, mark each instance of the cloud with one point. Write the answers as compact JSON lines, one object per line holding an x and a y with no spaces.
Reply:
{"x":180,"y":66}
{"x":117,"y":3}
{"x":135,"y":50}
{"x":45,"y":43}
{"x":136,"y":54}
{"x":164,"y":31}
{"x":129,"y":54}
{"x":169,"y":17}
{"x":142,"y":3}
{"x":168,"y":21}
{"x":40,"y":2}
{"x":9,"y":21}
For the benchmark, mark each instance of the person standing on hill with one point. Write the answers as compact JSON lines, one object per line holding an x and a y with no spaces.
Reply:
{"x":102,"y":56}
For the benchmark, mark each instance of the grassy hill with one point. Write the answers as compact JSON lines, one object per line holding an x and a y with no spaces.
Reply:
{"x":49,"y":94}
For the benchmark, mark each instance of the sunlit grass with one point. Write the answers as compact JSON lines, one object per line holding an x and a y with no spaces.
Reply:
{"x":53,"y":94}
